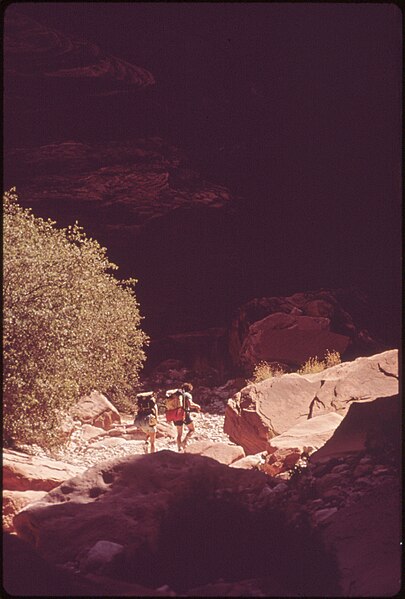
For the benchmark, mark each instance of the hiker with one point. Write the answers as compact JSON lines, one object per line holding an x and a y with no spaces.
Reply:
{"x":183,"y":413}
{"x":147,"y":417}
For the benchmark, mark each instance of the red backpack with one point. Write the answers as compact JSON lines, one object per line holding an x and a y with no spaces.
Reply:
{"x":174,"y":405}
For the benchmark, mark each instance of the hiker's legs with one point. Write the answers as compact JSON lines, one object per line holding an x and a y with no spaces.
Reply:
{"x":191,"y":430}
{"x":152,"y":442}
{"x":146,"y":448}
{"x":179,"y":434}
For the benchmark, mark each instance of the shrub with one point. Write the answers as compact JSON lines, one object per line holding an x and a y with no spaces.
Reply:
{"x":264,"y":370}
{"x":314,"y":365}
{"x":69,"y":325}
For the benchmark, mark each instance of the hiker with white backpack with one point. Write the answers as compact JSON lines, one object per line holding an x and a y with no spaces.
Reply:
{"x":179,"y":405}
{"x":146,"y":418}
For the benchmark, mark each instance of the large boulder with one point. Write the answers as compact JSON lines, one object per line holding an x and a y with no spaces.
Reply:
{"x":267,"y":409}
{"x":290,"y":339}
{"x":302,"y":325}
{"x":285,"y":450}
{"x":373,"y":425}
{"x":249,"y":461}
{"x":97,"y":410}
{"x":72,"y":518}
{"x":119,"y":520}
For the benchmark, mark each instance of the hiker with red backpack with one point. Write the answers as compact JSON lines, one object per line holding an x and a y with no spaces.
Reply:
{"x":179,"y":405}
{"x":146,"y":418}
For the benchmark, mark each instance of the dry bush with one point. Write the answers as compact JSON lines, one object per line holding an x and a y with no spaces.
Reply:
{"x":263,"y":371}
{"x":313,"y":365}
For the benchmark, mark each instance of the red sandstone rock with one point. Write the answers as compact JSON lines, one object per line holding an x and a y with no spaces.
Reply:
{"x":123,"y":501}
{"x":321,"y":304}
{"x":89,"y":432}
{"x":310,"y":434}
{"x":373,"y":424}
{"x":290,"y":339}
{"x":223,"y":453}
{"x":97,"y":410}
{"x":267,"y":409}
{"x":248,"y":462}
{"x":14,"y":501}
{"x":22,"y":472}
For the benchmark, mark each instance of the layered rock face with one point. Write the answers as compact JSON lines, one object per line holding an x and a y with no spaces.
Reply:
{"x":37,"y":51}
{"x":55,"y":82}
{"x":139,"y":196}
{"x":127,"y":184}
{"x":267,"y":409}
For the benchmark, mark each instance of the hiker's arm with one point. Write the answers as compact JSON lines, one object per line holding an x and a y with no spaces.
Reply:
{"x":195,"y":406}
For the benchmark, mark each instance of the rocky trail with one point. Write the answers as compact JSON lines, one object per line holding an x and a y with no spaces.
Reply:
{"x":118,"y":442}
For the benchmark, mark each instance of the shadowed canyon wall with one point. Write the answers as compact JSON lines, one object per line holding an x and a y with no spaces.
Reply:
{"x":220,"y":154}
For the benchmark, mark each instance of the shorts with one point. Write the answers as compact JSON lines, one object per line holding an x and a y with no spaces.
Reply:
{"x":187,"y":420}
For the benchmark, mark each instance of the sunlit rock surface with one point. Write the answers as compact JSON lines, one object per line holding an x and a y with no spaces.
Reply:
{"x":269,"y":408}
{"x":22,"y":472}
{"x":96,"y":410}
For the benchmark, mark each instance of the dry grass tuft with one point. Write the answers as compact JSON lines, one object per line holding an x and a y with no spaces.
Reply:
{"x":264,"y":370}
{"x":312,"y":365}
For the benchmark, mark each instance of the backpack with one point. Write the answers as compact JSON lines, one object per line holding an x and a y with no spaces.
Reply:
{"x":173,"y":400}
{"x":174,"y":405}
{"x":146,"y":405}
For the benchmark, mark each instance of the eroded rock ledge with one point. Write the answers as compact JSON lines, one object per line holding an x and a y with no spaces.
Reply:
{"x":267,"y":409}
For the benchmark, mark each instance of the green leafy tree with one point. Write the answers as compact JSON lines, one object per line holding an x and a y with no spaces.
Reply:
{"x":69,"y":325}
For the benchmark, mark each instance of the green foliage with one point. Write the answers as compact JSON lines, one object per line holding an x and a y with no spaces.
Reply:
{"x":314,"y":365}
{"x":264,"y":370}
{"x":69,"y":325}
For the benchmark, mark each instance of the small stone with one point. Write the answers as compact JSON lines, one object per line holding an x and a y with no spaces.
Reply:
{"x":320,"y":516}
{"x":379,"y":470}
